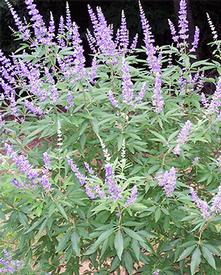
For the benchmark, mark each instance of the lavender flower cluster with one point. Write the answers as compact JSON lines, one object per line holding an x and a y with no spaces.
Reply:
{"x":183,"y":137}
{"x":203,"y":206}
{"x":8,"y":265}
{"x":33,"y":177}
{"x":95,"y":191}
{"x":167,"y":180}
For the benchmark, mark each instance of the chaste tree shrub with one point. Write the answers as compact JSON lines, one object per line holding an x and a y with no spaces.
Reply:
{"x":115,"y":166}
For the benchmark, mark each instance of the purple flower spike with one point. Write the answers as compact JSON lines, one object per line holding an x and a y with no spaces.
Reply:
{"x":88,"y":168}
{"x":113,"y":188}
{"x":216,"y":202}
{"x":216,"y":99}
{"x":134,"y":43}
{"x":157,"y":98}
{"x":195,"y":40}
{"x":183,"y":137}
{"x":127,"y":85}
{"x":47,"y":161}
{"x":201,"y":205}
{"x":38,"y":25}
{"x":133,"y":196}
{"x":90,"y":192}
{"x":18,"y":22}
{"x":173,"y":31}
{"x":156,"y":272}
{"x":45,"y":183}
{"x":112,"y":99}
{"x":123,"y":33}
{"x":167,"y":180}
{"x":81,"y":178}
{"x":32,"y":108}
{"x":16,"y":183}
{"x":183,"y":22}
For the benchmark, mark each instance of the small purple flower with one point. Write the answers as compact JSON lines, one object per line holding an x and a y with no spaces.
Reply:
{"x":8,"y":264}
{"x":156,"y":272}
{"x":202,"y":205}
{"x":167,"y":180}
{"x":16,"y":183}
{"x":133,"y":196}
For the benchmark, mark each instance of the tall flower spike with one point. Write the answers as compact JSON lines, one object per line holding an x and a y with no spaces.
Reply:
{"x":112,"y":99}
{"x":127,"y":85}
{"x":38,"y":25}
{"x":51,"y":28}
{"x":61,"y":33}
{"x":113,"y":188}
{"x":142,"y":92}
{"x":124,"y":33}
{"x":157,"y":99}
{"x":91,"y":41}
{"x":201,"y":205}
{"x":152,"y":59}
{"x":133,"y":196}
{"x":134,"y":43}
{"x":18,"y":22}
{"x":213,"y":30}
{"x":216,"y":202}
{"x":183,"y":22}
{"x":183,"y":136}
{"x":216,"y":99}
{"x":173,"y":31}
{"x":195,"y":40}
{"x":79,"y":59}
{"x":81,"y":178}
{"x":32,"y":108}
{"x":68,"y":17}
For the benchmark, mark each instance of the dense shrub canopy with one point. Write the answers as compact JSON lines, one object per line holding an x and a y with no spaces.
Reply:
{"x":116,"y":165}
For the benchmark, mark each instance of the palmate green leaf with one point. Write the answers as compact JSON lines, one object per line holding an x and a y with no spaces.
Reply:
{"x":209,"y":257}
{"x":95,"y":245}
{"x":119,"y":243}
{"x":195,"y":260}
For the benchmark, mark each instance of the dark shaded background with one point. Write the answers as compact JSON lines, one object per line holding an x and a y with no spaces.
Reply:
{"x":157,"y":12}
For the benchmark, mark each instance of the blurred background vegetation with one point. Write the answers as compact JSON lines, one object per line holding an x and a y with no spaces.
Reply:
{"x":157,"y":12}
